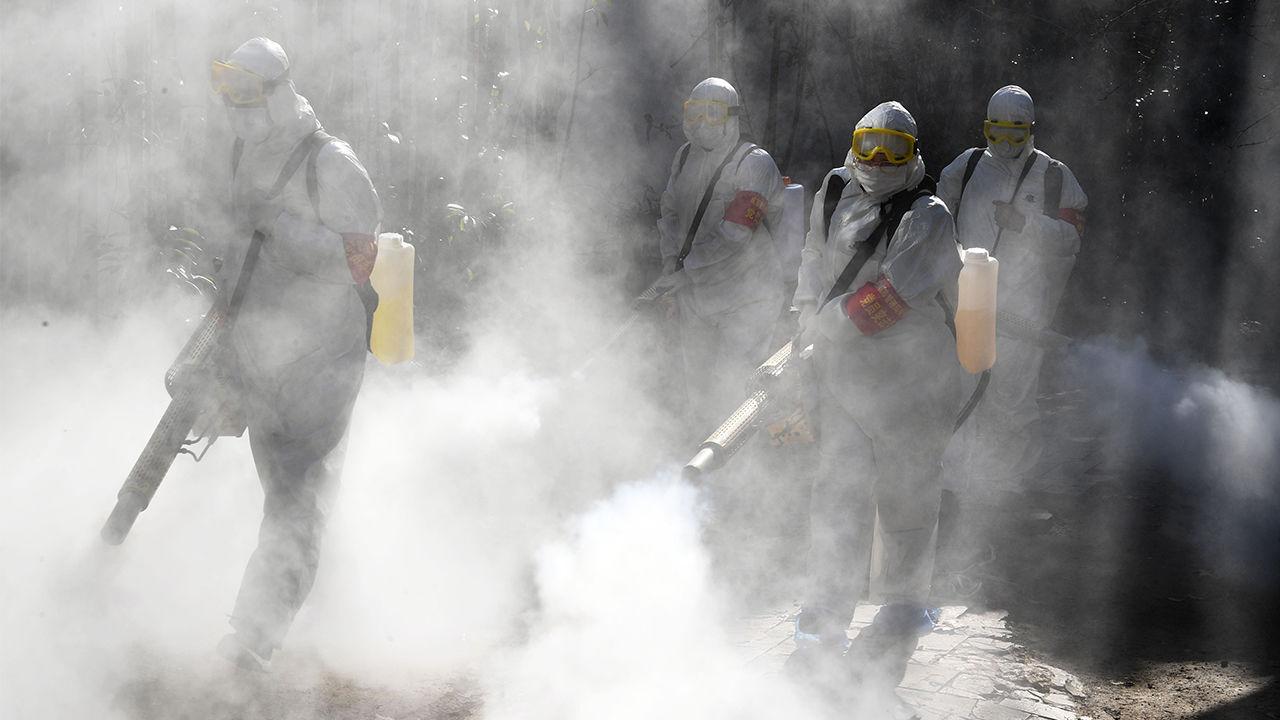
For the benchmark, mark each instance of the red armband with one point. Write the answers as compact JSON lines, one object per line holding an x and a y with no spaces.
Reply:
{"x":362,"y":251}
{"x":1073,"y":216}
{"x":747,"y":209}
{"x":875,"y":306}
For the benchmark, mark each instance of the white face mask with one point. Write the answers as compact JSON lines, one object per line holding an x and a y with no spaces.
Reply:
{"x":252,"y":124}
{"x":1005,"y":150}
{"x":705,"y":136}
{"x":881,"y":179}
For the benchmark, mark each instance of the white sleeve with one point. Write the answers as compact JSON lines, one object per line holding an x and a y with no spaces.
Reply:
{"x":312,"y":248}
{"x":809,"y":284}
{"x":347,"y":200}
{"x":1061,"y":235}
{"x":669,"y":242}
{"x":922,"y":258}
{"x":346,"y":203}
{"x":951,"y":179}
{"x":756,"y":183}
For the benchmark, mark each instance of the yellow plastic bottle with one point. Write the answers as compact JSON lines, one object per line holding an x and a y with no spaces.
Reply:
{"x":392,"y":278}
{"x":976,"y":311}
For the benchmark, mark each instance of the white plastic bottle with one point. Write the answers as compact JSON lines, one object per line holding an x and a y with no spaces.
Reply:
{"x":790,"y":240}
{"x":976,"y":311}
{"x":392,"y":340}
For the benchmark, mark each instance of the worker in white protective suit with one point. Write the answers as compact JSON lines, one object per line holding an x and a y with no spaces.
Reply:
{"x":718,"y":255}
{"x":1028,"y":210}
{"x":302,"y":331}
{"x":886,"y":392}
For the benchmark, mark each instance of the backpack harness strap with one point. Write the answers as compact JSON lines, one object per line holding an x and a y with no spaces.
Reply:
{"x":706,"y":197}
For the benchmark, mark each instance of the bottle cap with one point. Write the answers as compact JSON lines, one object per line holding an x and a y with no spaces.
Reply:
{"x":976,"y":255}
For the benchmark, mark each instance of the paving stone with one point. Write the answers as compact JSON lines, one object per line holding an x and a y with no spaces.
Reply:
{"x":1038,"y":677}
{"x":961,"y":693}
{"x":988,"y":632}
{"x":990,"y":618}
{"x":926,"y":657}
{"x":941,"y":643}
{"x":975,"y":685}
{"x":864,"y":613}
{"x":999,"y":646}
{"x":927,"y":677}
{"x":1060,"y":700}
{"x":928,"y":714}
{"x":1075,"y":688}
{"x":987,"y":710}
{"x":1048,"y":712}
{"x":968,"y":669}
{"x":939,"y":702}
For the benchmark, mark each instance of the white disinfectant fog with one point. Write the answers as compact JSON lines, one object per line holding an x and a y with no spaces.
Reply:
{"x":451,"y":556}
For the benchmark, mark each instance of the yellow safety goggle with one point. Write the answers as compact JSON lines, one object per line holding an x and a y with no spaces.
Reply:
{"x":712,"y":112}
{"x":239,"y":86}
{"x":1002,"y":131}
{"x":897,"y":148}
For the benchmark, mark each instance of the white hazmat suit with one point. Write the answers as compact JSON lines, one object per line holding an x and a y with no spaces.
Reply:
{"x":300,"y":339}
{"x":1001,"y":440}
{"x":729,"y":287}
{"x":888,"y":386}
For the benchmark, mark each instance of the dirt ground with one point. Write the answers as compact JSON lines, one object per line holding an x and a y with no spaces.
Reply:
{"x":1106,"y":570}
{"x":1151,"y":632}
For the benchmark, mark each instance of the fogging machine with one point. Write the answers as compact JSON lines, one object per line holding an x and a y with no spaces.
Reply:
{"x":769,"y":382}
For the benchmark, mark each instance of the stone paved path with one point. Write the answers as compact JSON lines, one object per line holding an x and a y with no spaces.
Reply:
{"x":968,"y":668}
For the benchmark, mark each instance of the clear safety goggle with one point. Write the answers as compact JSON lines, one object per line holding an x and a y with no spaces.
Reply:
{"x":892,"y":146}
{"x":1002,"y":131}
{"x":712,"y":112}
{"x":239,"y":86}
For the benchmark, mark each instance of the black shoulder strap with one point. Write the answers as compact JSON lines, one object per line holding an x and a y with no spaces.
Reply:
{"x":1026,"y":170}
{"x":319,"y":140}
{"x":684,"y":157}
{"x":305,"y":146}
{"x":242,"y":280}
{"x":975,"y":156}
{"x":237,"y":150}
{"x":1053,"y":188}
{"x":702,"y":207}
{"x":300,"y":152}
{"x":896,"y":206}
{"x":900,"y":204}
{"x":831,"y":198}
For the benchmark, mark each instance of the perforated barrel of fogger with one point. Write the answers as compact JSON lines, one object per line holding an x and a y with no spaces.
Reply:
{"x":198,"y":346}
{"x":732,"y":434}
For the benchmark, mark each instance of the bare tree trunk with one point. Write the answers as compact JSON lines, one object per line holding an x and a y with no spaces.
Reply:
{"x":775,"y":67}
{"x":713,"y":38}
{"x":577,"y":82}
{"x":802,"y":55}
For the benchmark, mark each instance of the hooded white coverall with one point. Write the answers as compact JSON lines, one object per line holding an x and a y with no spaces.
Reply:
{"x":1001,"y":439}
{"x":300,"y":339}
{"x":886,"y":401}
{"x":730,"y":291}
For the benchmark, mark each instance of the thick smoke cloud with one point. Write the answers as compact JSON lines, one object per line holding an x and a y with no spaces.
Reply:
{"x":630,"y":623}
{"x":1216,"y":438}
